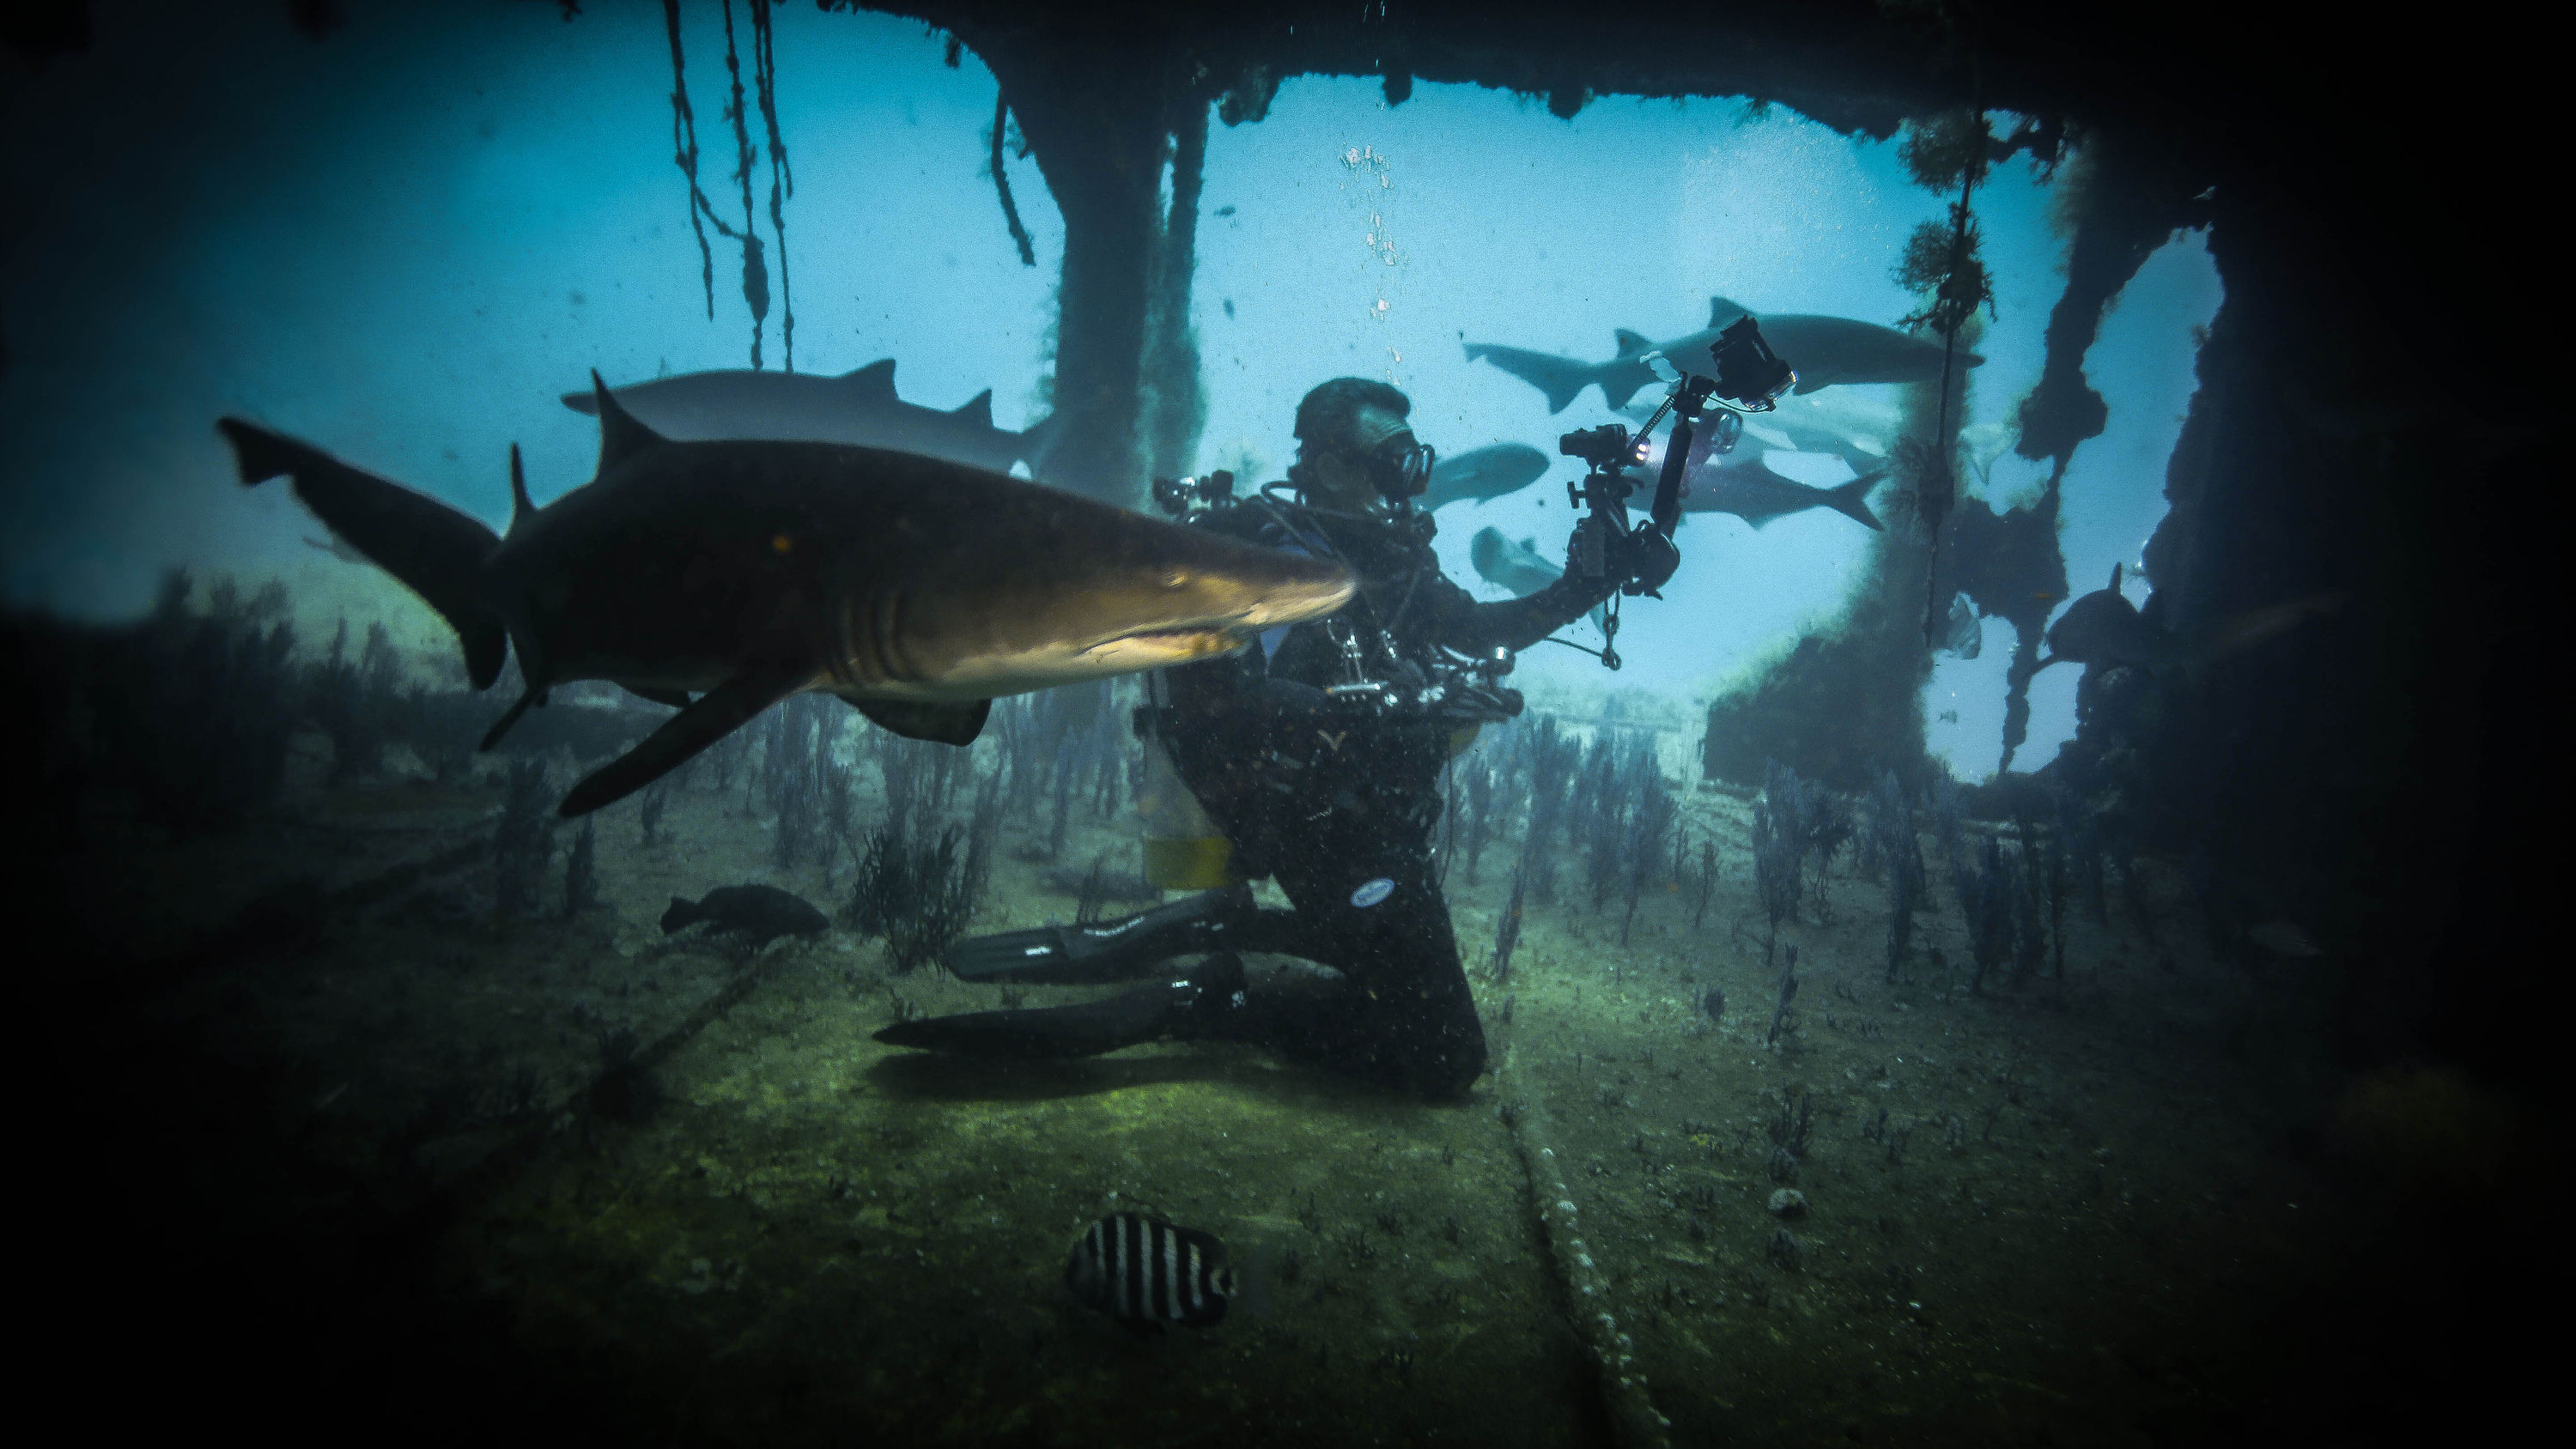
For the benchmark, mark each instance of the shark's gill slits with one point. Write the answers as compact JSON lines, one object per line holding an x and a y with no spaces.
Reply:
{"x":898,"y":665}
{"x":863,"y":639}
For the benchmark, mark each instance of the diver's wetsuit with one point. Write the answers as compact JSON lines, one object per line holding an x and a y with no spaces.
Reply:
{"x":1335,"y":797}
{"x":1328,"y":796}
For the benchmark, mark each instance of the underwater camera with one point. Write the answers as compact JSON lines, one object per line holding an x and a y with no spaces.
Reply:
{"x":1606,"y":446}
{"x":1181,"y":497}
{"x":1749,"y":374}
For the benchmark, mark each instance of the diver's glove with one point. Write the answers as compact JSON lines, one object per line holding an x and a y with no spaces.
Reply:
{"x":1642,"y":560}
{"x":1119,"y":950}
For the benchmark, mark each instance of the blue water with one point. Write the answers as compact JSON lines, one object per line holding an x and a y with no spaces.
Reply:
{"x":405,"y":242}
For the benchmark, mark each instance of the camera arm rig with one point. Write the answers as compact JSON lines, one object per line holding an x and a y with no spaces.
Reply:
{"x":1749,"y":376}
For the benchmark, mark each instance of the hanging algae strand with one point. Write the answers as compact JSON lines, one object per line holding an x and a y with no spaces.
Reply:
{"x":702,"y":211}
{"x":1942,"y":259}
{"x":755,"y":269}
{"x":684,"y":144}
{"x":782,"y":180}
{"x":1002,"y":181}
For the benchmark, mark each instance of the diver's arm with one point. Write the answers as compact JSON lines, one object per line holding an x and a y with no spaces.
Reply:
{"x":1473,"y":628}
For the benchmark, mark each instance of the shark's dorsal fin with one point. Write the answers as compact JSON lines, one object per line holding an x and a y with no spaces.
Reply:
{"x":620,"y":436}
{"x":521,"y":510}
{"x":1630,"y":344}
{"x":876,"y":380}
{"x":977,"y":409}
{"x":2115,"y":578}
{"x":1722,"y":311}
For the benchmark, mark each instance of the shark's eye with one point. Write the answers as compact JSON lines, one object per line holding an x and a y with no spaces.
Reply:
{"x":782,"y":543}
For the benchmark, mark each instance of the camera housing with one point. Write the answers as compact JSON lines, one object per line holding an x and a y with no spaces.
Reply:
{"x":1749,"y":373}
{"x":1181,"y":497}
{"x":1602,"y":447}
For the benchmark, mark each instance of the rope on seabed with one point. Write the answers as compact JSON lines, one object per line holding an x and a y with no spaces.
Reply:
{"x":1633,"y":1415}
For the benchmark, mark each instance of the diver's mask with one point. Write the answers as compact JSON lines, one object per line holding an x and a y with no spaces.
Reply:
{"x":1398,"y":465}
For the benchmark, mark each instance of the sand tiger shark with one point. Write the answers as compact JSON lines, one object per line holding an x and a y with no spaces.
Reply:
{"x":1483,"y":474}
{"x":721,"y":577}
{"x":858,"y":408}
{"x":1826,"y":351}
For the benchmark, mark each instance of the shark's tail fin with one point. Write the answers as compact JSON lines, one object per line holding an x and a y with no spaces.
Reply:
{"x":436,"y":551}
{"x":1851,"y":500}
{"x":680,"y":916}
{"x":1559,"y":377}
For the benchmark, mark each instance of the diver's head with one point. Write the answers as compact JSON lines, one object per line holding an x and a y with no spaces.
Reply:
{"x":1355,"y":449}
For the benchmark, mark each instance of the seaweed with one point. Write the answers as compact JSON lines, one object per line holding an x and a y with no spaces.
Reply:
{"x":918,"y":892}
{"x":1987,"y":891}
{"x":1477,"y":788}
{"x":1507,"y":927}
{"x":1788,"y":993}
{"x":1652,"y":820}
{"x":625,"y":1090}
{"x":650,"y":802}
{"x":524,"y":842}
{"x":581,"y":871}
{"x":355,"y":701}
{"x":1704,"y":884}
{"x":1790,"y":1129}
{"x":1891,"y":843}
{"x":1778,"y":846}
{"x":1092,"y":904}
{"x":193,"y":721}
{"x":2079,"y":836}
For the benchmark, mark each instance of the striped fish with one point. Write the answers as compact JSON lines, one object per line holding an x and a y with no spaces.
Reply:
{"x":1144,"y":1272}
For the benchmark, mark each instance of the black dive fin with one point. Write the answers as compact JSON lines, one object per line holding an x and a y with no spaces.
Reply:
{"x":675,"y":698}
{"x":718,"y":713}
{"x":434,"y":550}
{"x":949,"y":724}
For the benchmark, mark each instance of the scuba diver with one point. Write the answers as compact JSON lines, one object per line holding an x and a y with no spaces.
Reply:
{"x":1318,"y":754}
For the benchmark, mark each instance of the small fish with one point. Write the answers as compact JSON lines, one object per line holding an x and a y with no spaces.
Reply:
{"x":761,"y":912}
{"x":1143,"y":1273}
{"x":1949,"y":716}
{"x":1225,"y":211}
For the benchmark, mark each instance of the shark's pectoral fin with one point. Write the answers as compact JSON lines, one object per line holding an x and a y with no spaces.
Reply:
{"x":717,"y":713}
{"x":949,"y":724}
{"x":534,"y":694}
{"x":675,"y":698}
{"x":1630,"y":343}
